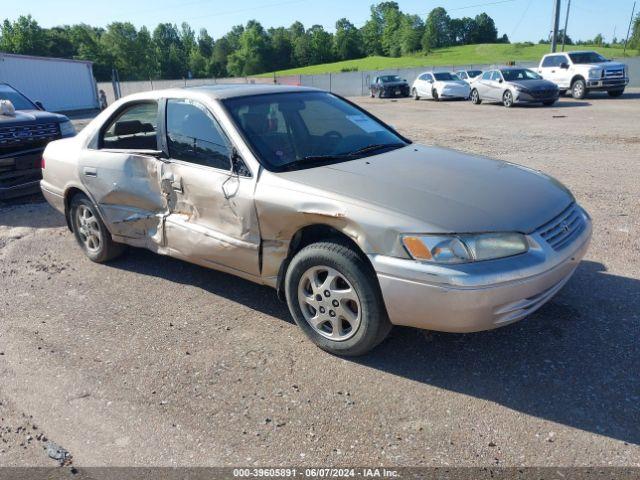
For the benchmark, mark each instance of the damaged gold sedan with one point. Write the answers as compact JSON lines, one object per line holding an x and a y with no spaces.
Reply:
{"x":353,"y":224}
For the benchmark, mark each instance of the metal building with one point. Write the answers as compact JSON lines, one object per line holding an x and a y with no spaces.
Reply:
{"x":60,"y":84}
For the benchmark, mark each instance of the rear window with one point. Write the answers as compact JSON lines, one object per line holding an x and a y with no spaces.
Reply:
{"x":134,"y":128}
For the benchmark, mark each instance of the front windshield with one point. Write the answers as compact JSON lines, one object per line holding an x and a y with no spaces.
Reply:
{"x":19,"y":101}
{"x":514,"y":74}
{"x":444,"y":76}
{"x":390,"y":78}
{"x":474,"y":73}
{"x":587,"y":57}
{"x":306,"y":129}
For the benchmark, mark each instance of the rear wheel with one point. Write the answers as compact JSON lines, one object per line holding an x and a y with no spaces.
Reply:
{"x":335,"y":299}
{"x":615,"y":93}
{"x":414,"y":92}
{"x":91,"y":234}
{"x":475,"y":97}
{"x":579,"y":89}
{"x":507,"y":99}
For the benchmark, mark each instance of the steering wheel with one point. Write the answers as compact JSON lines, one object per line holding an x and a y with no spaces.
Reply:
{"x":333,"y":134}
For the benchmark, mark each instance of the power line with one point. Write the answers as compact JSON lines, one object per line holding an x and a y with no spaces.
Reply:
{"x":524,"y":13}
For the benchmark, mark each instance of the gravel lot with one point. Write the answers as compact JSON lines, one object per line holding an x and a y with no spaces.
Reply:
{"x":152,"y":361}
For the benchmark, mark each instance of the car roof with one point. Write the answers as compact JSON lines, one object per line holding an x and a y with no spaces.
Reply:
{"x":221,"y":91}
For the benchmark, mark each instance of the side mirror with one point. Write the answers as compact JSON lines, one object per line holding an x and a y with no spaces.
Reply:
{"x":39,"y":105}
{"x":564,"y":65}
{"x":237,"y":164}
{"x":500,"y":81}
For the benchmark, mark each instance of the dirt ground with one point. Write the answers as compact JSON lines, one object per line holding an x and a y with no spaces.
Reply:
{"x":152,"y":361}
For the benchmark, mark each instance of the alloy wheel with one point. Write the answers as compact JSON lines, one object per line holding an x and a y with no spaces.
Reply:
{"x":88,"y":228}
{"x":329,"y":303}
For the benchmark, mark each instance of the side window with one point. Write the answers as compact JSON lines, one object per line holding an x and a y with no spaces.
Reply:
{"x":194,"y":136}
{"x":548,"y":61}
{"x":463,"y":75}
{"x":496,"y":76}
{"x":487,"y":75}
{"x":135,"y":128}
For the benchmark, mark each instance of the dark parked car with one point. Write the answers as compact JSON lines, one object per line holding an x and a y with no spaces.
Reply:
{"x":389,"y":86}
{"x":25,"y":129}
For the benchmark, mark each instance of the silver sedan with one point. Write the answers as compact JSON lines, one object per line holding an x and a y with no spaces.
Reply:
{"x":513,"y":85}
{"x":354,"y":225}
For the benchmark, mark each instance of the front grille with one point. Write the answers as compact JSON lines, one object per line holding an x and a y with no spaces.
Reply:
{"x":543,"y":93}
{"x":27,"y":137}
{"x":561,"y":231}
{"x":614,"y":73}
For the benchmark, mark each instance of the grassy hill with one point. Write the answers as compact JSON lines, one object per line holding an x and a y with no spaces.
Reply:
{"x":461,"y":55}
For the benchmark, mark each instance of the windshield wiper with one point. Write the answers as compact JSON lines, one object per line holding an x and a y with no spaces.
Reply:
{"x":374,"y":147}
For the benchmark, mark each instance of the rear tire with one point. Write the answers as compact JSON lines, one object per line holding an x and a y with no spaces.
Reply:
{"x":615,"y":93}
{"x":475,"y":97}
{"x":334,"y":297}
{"x":91,"y":233}
{"x":415,"y":94}
{"x":579,"y":89}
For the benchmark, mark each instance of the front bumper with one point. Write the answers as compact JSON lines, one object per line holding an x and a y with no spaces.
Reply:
{"x":396,"y":91}
{"x":477,"y":296}
{"x":456,"y":93}
{"x":524,"y":97}
{"x":20,"y":174}
{"x":608,"y":84}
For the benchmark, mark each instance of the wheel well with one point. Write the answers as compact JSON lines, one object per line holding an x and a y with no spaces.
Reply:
{"x":577,"y":77}
{"x":68,"y":196}
{"x":312,"y":234}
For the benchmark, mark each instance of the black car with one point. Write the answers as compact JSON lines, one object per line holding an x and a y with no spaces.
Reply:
{"x":389,"y":86}
{"x":25,"y":129}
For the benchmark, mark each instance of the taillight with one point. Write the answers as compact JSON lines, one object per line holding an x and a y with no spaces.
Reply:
{"x":42,"y":162}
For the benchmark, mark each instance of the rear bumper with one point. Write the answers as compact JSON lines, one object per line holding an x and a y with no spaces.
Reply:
{"x":478,"y":296}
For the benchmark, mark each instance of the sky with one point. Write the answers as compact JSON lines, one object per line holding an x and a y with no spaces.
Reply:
{"x":521,"y":20}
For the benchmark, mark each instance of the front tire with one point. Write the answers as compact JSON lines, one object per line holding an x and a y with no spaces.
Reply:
{"x":91,"y":233}
{"x":415,"y":94}
{"x":475,"y":97}
{"x":579,"y":89}
{"x":507,"y":99}
{"x":615,"y":93}
{"x":434,"y":95}
{"x":334,"y":297}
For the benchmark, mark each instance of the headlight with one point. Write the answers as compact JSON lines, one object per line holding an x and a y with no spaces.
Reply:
{"x":519,"y":88}
{"x":67,"y":129}
{"x":595,"y":73}
{"x":464,"y":248}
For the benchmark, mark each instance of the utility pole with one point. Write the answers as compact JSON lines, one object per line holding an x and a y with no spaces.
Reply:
{"x":566,"y":22}
{"x":633,"y":10}
{"x":556,"y":25}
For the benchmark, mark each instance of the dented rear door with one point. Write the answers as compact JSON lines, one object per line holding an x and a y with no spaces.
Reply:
{"x":123,"y":176}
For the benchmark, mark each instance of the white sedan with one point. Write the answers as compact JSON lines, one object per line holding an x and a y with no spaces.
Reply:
{"x":439,"y":85}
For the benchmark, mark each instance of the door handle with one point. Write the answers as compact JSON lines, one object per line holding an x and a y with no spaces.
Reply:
{"x":90,"y":171}
{"x":553,"y":71}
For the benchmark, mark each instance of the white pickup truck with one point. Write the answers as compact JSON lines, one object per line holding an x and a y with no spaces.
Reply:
{"x":584,"y":71}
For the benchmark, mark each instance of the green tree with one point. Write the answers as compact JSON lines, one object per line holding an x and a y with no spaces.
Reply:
{"x":321,"y":45}
{"x":391,"y":21}
{"x":172,"y":61}
{"x":347,"y":40}
{"x":485,"y":30}
{"x":24,"y":36}
{"x":128,"y":51}
{"x":634,"y":39}
{"x":281,"y":48}
{"x":254,"y":52}
{"x":371,"y":33}
{"x":436,"y":30}
{"x":410,"y":35}
{"x":598,"y":40}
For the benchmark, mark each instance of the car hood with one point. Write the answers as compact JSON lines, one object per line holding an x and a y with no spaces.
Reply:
{"x":533,"y":84}
{"x":447,"y":190}
{"x":23,"y":117}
